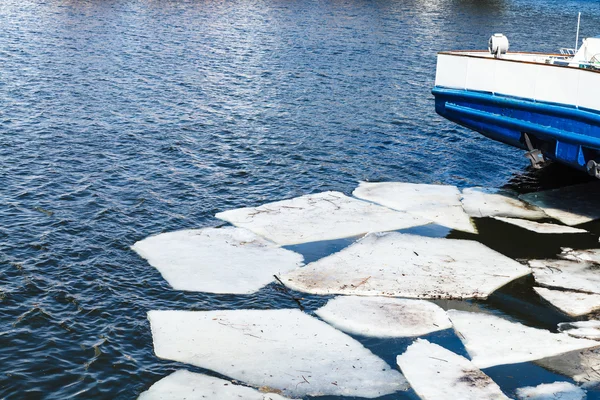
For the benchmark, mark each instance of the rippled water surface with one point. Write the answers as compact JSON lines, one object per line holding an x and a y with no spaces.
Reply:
{"x":122,"y":119}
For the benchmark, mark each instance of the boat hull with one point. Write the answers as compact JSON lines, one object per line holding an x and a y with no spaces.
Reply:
{"x":564,"y":133}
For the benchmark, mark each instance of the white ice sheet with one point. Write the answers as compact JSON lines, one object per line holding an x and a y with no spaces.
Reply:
{"x":571,"y":303}
{"x":540,"y":227}
{"x":492,"y":340}
{"x":182,"y":385}
{"x":581,"y":276}
{"x":384,"y":316}
{"x":224,"y":260}
{"x":488,"y":202}
{"x":582,"y":329}
{"x":551,"y":391}
{"x":572,"y":205}
{"x":282,"y":349}
{"x":438,"y":203}
{"x":439,"y":374}
{"x":316,"y":217}
{"x":402,"y":265}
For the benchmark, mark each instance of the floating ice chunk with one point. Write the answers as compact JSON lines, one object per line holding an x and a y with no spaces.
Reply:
{"x":591,"y":255}
{"x":436,"y":373}
{"x":571,"y":303}
{"x":487,"y":202}
{"x":395,"y":264}
{"x":540,"y":227}
{"x":581,"y":329}
{"x":384,"y":316}
{"x":580,"y":276}
{"x":572,"y":205}
{"x":223,"y":260}
{"x":316,"y":217}
{"x":492,"y":340}
{"x":438,"y":203}
{"x":552,"y":391}
{"x":183,"y":384}
{"x":282,"y":349}
{"x":582,"y":366}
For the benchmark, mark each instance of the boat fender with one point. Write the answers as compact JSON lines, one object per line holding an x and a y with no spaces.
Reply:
{"x":498,"y":44}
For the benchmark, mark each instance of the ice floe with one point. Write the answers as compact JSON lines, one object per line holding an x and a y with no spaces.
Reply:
{"x":540,"y":227}
{"x":551,"y":391}
{"x":284,"y":349}
{"x":439,"y":374}
{"x":583,"y":366}
{"x":580,"y":276}
{"x":438,"y":203}
{"x":571,"y":303}
{"x":491,"y":340}
{"x":572,"y":205}
{"x":488,"y":202}
{"x":591,"y":255}
{"x":316,"y":217}
{"x":223,"y":260}
{"x":384,"y":316}
{"x":183,"y":384}
{"x":581,"y":329}
{"x":402,"y":265}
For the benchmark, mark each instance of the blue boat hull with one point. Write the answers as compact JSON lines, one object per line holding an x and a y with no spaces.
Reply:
{"x":563,"y":133}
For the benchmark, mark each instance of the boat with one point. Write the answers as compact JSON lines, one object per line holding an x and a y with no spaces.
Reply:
{"x":546,"y":104}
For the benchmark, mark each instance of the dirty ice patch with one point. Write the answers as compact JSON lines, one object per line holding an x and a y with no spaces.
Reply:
{"x":401,"y":265}
{"x":316,"y":217}
{"x":580,"y":276}
{"x":581,"y":329}
{"x":492,"y":340}
{"x":583,"y":366}
{"x":439,"y":374}
{"x":572,"y":205}
{"x":538,"y":227}
{"x":488,"y":202}
{"x":384,"y":316}
{"x":552,"y":391}
{"x":285,"y":350}
{"x":591,"y":255}
{"x":574,"y":304}
{"x":183,"y":384}
{"x":438,"y":203}
{"x":223,"y":260}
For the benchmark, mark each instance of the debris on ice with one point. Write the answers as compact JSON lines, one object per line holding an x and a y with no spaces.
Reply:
{"x":402,"y":265}
{"x":183,"y":384}
{"x":581,"y":329}
{"x":572,"y":205}
{"x":574,"y":304}
{"x":317,"y":217}
{"x":439,"y":374}
{"x":491,"y":340}
{"x":384,"y":316}
{"x":286,"y":350}
{"x":438,"y":203}
{"x":488,"y":202}
{"x":540,"y":227}
{"x":216,"y":260}
{"x":551,"y":391}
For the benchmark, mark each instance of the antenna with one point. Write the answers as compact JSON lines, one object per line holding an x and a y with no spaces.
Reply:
{"x":577,"y":37}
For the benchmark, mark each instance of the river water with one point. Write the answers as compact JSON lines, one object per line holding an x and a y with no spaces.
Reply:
{"x":122,"y":119}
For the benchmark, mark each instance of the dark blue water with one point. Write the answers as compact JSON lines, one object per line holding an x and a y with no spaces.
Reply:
{"x":121,"y":119}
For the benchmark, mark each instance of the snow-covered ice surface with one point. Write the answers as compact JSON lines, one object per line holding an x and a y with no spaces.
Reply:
{"x":384,"y":316}
{"x":540,"y":227}
{"x":438,"y":203}
{"x":491,"y":340}
{"x":582,"y":329}
{"x":571,"y":303}
{"x":316,"y":217}
{"x":216,"y":260}
{"x":551,"y":391}
{"x":283,"y":349}
{"x":402,"y":265}
{"x":489,"y":202}
{"x":583,"y":366}
{"x":182,"y":385}
{"x":572,"y":205}
{"x":439,"y":374}
{"x":580,"y":276}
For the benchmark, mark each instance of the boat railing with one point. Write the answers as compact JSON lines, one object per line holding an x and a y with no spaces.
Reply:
{"x":567,"y":52}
